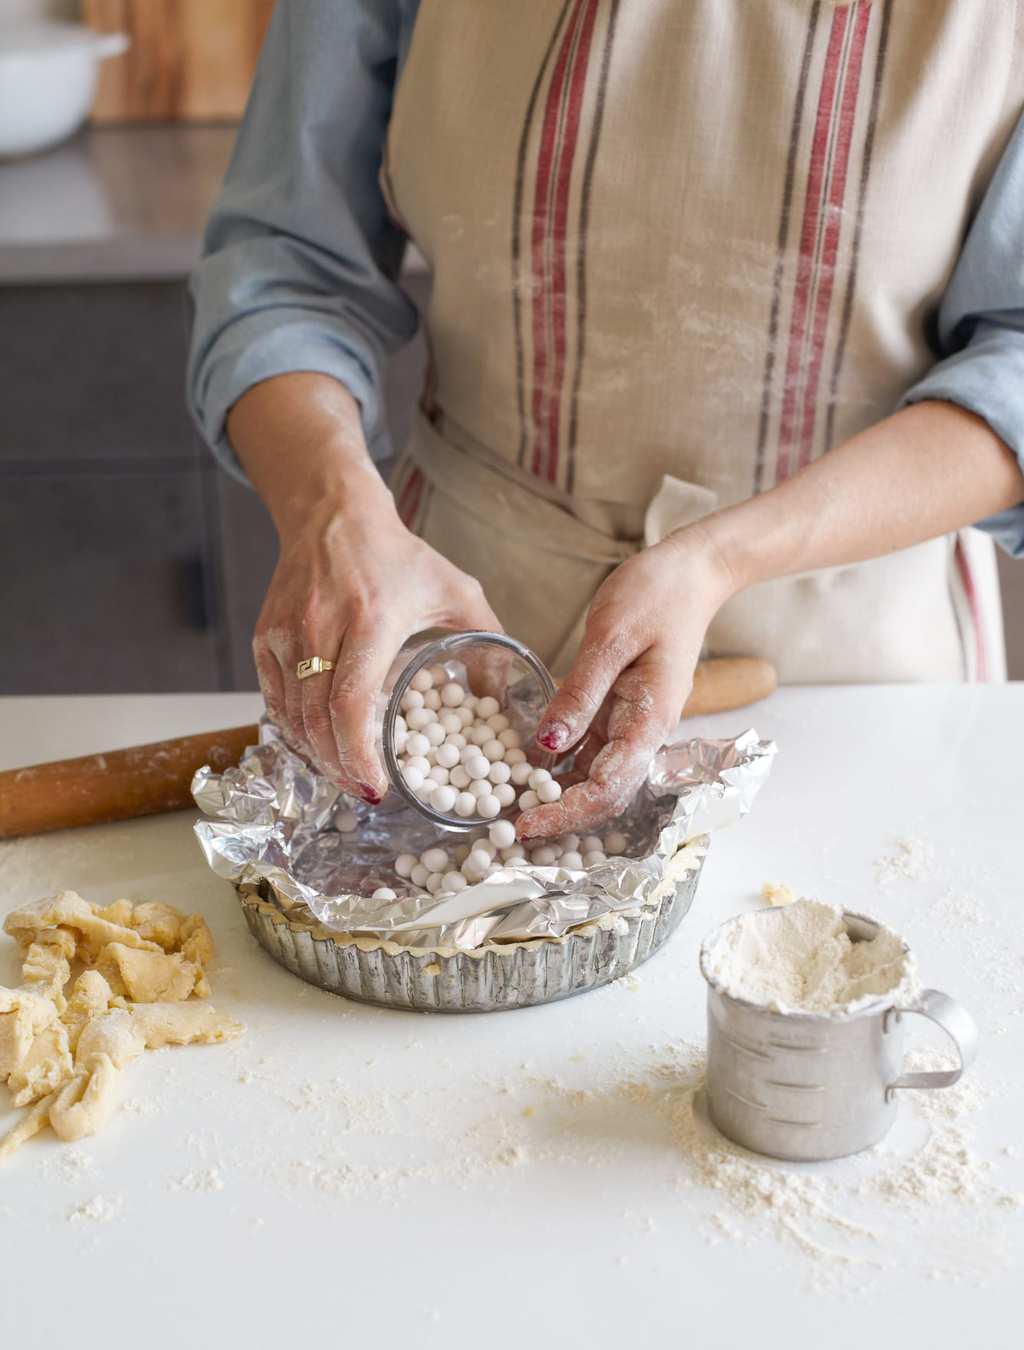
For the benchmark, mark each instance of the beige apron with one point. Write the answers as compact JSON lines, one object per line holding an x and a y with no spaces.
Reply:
{"x":680,"y":249}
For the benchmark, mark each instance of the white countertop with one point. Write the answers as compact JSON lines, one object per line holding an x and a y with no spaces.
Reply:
{"x":392,"y":1178}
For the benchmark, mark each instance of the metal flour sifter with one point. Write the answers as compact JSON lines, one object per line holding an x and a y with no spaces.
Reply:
{"x":810,"y":1086}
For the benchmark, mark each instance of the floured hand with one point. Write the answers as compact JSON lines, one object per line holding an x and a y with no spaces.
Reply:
{"x":631,"y":677}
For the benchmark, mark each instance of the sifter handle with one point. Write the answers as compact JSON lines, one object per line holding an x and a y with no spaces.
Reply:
{"x":955,"y":1021}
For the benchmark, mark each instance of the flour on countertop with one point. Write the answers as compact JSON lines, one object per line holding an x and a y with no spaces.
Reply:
{"x":927,"y":1205}
{"x":962,"y":1099}
{"x":911,"y":859}
{"x":69,"y":1165}
{"x":799,"y":957}
{"x":950,"y":904}
{"x":100,"y":1209}
{"x":136,"y":1106}
{"x":205,"y":1179}
{"x":853,"y":1221}
{"x":958,"y":909}
{"x":36,"y":865}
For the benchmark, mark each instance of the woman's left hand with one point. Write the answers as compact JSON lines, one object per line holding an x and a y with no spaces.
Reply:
{"x":625,"y":692}
{"x":923,"y":472}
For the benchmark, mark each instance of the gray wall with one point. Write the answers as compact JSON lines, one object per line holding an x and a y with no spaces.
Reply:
{"x":128,"y":561}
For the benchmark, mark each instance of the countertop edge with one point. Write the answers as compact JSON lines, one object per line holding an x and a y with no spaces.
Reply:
{"x":153,"y":258}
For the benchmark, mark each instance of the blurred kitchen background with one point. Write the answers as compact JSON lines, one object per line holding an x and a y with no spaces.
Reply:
{"x":128,"y":562}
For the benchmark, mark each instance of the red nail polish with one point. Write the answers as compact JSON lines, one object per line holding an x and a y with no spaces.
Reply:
{"x":368,"y":794}
{"x":554,"y":736}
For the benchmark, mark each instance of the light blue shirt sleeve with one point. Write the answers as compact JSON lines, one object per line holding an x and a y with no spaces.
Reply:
{"x":300,"y":257}
{"x":981,"y":326}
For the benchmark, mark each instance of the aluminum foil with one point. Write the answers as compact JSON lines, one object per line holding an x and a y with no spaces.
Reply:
{"x":273,"y":826}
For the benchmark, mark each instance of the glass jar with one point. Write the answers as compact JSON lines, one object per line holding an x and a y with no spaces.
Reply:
{"x":488,"y":663}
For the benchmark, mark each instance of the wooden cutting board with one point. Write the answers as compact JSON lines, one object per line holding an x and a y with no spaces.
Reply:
{"x":190,"y":60}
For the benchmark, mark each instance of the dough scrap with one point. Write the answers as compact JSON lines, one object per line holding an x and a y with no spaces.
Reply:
{"x":44,"y":1066}
{"x":120,"y":912}
{"x":183,"y":1024}
{"x":69,"y":910}
{"x":24,"y":1013}
{"x":114,"y":1034}
{"x":148,"y":977}
{"x":62,"y":1053}
{"x":83,"y":1105}
{"x":777,"y":893}
{"x":90,"y":996}
{"x":159,"y":923}
{"x":111,"y":1041}
{"x":34,"y":1120}
{"x":197,"y":941}
{"x":47,"y":963}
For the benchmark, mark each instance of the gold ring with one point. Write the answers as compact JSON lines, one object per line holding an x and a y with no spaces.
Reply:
{"x":313,"y":665}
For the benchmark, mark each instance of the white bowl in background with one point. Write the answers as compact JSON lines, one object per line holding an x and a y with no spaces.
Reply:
{"x":48,"y":74}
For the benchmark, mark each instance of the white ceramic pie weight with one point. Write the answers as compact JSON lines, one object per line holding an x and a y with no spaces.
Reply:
{"x":810,"y":1086}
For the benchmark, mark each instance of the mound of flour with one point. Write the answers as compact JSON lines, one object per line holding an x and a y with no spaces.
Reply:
{"x":800,"y":958}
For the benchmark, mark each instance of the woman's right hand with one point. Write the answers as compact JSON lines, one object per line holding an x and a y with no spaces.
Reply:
{"x":351,"y":583}
{"x":352,"y":588}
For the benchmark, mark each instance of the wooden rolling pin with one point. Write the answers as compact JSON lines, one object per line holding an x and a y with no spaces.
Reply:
{"x":150,"y":779}
{"x":725,"y":682}
{"x":143,"y":781}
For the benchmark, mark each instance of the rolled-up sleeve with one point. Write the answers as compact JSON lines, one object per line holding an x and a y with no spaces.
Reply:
{"x":981,"y":326}
{"x":300,"y":257}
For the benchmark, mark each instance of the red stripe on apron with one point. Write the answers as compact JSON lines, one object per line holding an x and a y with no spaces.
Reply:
{"x":548,"y":162}
{"x":830,"y":249}
{"x":577,"y":81}
{"x":538,"y":234}
{"x":855,"y":244}
{"x":963,"y":567}
{"x":760,"y":455}
{"x":586,"y":190}
{"x":518,"y":289}
{"x":808,"y":233}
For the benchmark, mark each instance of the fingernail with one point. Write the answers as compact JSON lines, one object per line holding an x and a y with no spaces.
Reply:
{"x":553,"y":736}
{"x":369,"y":794}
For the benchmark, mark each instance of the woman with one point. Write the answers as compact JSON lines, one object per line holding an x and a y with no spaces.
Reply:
{"x":679,"y":251}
